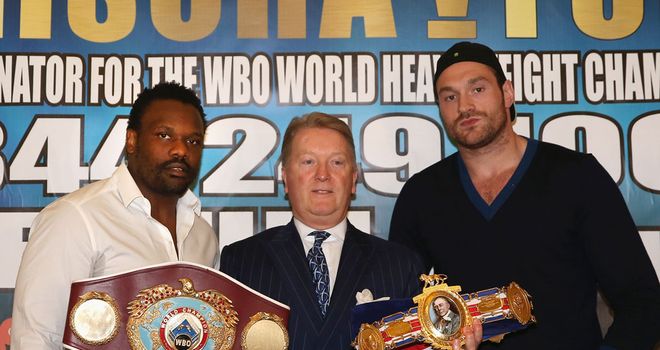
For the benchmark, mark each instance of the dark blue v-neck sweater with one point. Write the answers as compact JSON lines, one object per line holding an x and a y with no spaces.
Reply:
{"x":560,"y":228}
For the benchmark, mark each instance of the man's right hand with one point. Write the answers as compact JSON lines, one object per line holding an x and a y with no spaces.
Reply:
{"x":473,"y":337}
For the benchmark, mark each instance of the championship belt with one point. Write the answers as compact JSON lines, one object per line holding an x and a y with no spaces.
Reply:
{"x":500,"y":310}
{"x":173,"y":306}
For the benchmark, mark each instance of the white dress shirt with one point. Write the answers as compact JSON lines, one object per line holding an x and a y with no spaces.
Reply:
{"x":104,"y":228}
{"x":331,"y":246}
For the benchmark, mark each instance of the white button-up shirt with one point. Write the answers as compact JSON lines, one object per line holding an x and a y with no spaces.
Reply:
{"x":104,"y":228}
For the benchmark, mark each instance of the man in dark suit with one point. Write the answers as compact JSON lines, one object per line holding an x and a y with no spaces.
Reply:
{"x":319,"y":261}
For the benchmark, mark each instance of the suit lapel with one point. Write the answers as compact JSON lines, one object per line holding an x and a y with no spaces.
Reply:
{"x":287,"y":251}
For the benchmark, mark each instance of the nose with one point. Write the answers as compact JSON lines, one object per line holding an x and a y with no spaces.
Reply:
{"x":179,"y":149}
{"x":465,"y":104}
{"x":322,"y":173}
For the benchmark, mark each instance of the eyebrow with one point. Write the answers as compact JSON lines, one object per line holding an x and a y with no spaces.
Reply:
{"x":170,"y":128}
{"x":470,"y":81}
{"x":476,"y":80}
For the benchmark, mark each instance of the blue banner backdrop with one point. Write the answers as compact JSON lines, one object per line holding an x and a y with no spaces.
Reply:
{"x":586,"y":74}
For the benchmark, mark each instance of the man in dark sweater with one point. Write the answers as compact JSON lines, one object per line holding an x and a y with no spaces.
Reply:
{"x":507,"y":208}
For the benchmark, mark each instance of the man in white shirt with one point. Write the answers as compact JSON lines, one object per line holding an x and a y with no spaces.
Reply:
{"x":144,"y":214}
{"x":319,"y":261}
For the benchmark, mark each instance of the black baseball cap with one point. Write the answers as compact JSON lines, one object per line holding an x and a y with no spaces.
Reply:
{"x":471,"y":52}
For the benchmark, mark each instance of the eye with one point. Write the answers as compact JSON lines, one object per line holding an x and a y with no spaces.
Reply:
{"x":338,"y":162}
{"x":164,"y":135}
{"x":307,"y":161}
{"x":194,"y":141}
{"x":479,"y":89}
{"x":449,"y":98}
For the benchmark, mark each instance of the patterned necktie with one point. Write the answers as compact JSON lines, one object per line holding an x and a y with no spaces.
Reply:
{"x":319,"y":268}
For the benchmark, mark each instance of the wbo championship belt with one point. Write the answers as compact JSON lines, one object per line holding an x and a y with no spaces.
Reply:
{"x":173,"y":306}
{"x":440,"y":313}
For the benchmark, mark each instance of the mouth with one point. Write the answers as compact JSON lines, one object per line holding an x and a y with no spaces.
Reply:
{"x":469,"y":120}
{"x":176,"y":168}
{"x":322,"y":191}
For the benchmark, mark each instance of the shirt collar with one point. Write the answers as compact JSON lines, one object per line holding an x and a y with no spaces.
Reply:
{"x":129,"y":191}
{"x":126,"y":186}
{"x":337,"y":232}
{"x":447,"y":316}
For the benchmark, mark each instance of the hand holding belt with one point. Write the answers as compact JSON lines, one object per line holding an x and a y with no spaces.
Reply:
{"x":500,"y":310}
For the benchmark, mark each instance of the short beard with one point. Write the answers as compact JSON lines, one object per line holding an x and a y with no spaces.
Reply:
{"x":164,"y":188}
{"x":156,"y":181}
{"x":491,"y":132}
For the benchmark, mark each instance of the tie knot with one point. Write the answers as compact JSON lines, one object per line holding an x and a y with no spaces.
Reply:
{"x":319,"y":237}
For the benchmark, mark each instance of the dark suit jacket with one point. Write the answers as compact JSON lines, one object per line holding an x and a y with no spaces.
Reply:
{"x":273,"y":262}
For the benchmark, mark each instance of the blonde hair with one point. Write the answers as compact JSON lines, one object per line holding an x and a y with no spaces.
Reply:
{"x":316,"y":120}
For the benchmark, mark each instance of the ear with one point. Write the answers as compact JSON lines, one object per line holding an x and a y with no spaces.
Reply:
{"x":355,"y":177}
{"x":508,"y":94}
{"x":131,"y":141}
{"x":286,"y":188}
